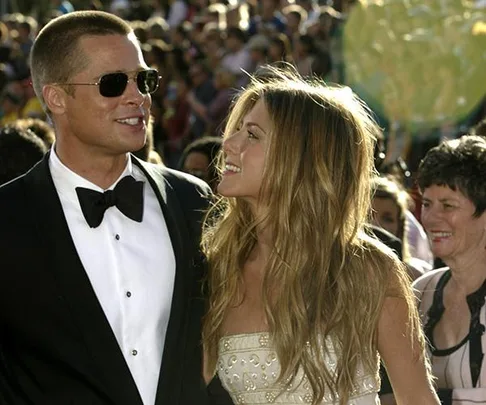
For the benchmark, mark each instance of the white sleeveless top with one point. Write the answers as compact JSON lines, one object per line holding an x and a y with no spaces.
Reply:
{"x":248,"y":369}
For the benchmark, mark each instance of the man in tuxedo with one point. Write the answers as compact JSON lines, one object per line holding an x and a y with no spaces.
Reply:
{"x":101,"y":267}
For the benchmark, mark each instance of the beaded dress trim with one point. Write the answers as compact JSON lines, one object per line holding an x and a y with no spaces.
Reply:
{"x":248,"y":369}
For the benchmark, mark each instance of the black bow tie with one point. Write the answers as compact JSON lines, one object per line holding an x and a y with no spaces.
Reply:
{"x":127,"y":196}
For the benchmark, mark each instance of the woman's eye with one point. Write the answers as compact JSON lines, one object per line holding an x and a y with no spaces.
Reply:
{"x":251,"y":135}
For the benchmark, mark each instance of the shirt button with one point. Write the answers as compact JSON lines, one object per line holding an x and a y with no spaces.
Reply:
{"x":134,"y":352}
{"x":117,"y":237}
{"x":129,"y":294}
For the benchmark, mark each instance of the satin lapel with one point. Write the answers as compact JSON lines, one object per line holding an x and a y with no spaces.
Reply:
{"x":112,"y":374}
{"x":179,"y":235}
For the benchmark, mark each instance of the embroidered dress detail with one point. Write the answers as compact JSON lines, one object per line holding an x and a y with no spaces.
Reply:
{"x":248,"y":368}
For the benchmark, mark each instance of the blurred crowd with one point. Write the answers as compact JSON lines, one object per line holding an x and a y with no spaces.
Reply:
{"x":205,"y":51}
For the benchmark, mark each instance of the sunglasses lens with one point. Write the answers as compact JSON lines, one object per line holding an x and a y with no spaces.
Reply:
{"x":148,"y":81}
{"x":113,"y":84}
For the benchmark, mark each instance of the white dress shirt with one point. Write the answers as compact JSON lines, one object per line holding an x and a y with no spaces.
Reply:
{"x":131,"y":267}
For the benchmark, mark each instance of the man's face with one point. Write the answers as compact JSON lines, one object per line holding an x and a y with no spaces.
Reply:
{"x":93,"y":124}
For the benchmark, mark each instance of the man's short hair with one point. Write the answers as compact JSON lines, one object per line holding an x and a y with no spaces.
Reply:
{"x":55,"y":55}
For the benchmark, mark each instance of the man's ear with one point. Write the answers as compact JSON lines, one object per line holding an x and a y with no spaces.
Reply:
{"x":55,"y":98}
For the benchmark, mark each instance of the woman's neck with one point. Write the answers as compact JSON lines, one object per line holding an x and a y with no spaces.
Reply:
{"x":468,"y":274}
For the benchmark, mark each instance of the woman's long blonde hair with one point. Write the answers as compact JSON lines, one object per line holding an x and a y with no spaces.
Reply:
{"x":324,"y":278}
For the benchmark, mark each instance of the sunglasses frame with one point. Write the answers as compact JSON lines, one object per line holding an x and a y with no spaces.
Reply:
{"x":128,"y":77}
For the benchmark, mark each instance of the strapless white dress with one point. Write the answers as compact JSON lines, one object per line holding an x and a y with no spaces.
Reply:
{"x":248,"y":369}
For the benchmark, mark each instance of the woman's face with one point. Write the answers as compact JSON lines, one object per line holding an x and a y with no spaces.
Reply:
{"x":454,"y":233}
{"x":245,"y":152}
{"x":293,"y":22}
{"x":197,"y":164}
{"x":386,"y":215}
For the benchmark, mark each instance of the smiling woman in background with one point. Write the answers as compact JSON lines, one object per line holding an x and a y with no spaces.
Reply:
{"x":452,"y":179}
{"x":390,"y":204}
{"x":199,"y":159}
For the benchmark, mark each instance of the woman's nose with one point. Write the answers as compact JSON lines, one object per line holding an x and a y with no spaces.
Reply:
{"x":232,"y":144}
{"x":428,"y":216}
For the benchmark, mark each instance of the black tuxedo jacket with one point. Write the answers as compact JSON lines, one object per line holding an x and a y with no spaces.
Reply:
{"x":56,"y":345}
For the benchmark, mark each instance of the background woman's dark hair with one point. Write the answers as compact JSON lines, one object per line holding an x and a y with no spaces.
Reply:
{"x":459,"y":164}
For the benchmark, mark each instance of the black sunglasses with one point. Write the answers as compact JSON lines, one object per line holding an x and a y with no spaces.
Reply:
{"x":114,"y":84}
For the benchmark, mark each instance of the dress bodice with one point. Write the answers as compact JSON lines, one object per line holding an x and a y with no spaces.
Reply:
{"x":248,"y":368}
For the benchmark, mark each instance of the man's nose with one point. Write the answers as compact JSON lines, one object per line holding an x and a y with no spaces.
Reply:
{"x":132,"y":92}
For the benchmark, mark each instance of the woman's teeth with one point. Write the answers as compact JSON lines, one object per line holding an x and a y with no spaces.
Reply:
{"x":233,"y":168}
{"x":130,"y":121}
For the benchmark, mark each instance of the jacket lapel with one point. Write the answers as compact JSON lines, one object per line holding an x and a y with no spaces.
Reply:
{"x":113,"y":375}
{"x":170,"y":373}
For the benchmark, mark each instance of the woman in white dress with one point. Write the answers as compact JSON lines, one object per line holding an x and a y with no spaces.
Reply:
{"x":302,"y":303}
{"x":452,"y":178}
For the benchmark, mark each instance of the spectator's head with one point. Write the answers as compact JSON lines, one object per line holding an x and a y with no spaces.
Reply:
{"x":479,"y":128}
{"x":453,"y":185}
{"x":235,"y":39}
{"x":224,"y":79}
{"x":258,"y":46}
{"x":199,"y":159}
{"x":305,"y":45}
{"x":279,"y":49}
{"x":296,"y":16}
{"x":12,"y":20}
{"x":20,"y":149}
{"x":160,"y":54}
{"x":459,"y":165}
{"x":140,"y":28}
{"x":27,"y":28}
{"x":389,"y":207}
{"x":199,"y":73}
{"x":329,"y":18}
{"x":158,"y":28}
{"x":180,"y":34}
